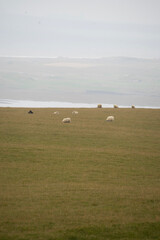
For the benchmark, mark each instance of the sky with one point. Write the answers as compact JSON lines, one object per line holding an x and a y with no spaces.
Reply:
{"x":80,"y":28}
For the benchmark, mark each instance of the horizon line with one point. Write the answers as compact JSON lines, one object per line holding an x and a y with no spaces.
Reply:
{"x":84,"y":57}
{"x":63,"y":104}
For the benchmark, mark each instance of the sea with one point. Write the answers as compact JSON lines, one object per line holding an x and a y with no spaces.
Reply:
{"x":53,"y":104}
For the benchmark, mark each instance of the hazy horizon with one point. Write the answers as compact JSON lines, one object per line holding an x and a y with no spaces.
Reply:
{"x":104,"y":51}
{"x":53,"y":104}
{"x":122,"y":81}
{"x":83,"y":57}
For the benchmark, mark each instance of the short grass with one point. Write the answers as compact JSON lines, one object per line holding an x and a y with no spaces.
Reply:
{"x":87,"y":180}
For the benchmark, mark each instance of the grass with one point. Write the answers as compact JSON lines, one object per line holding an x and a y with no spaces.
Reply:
{"x":86,"y":180}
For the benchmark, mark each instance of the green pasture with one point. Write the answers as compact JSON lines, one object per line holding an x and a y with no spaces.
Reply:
{"x":86,"y":180}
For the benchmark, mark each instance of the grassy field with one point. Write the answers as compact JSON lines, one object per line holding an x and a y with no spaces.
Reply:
{"x":87,"y":180}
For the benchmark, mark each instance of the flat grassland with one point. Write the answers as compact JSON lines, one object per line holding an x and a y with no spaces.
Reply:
{"x":87,"y":180}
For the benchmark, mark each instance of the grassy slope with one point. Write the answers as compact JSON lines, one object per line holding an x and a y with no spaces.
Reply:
{"x":90,"y":179}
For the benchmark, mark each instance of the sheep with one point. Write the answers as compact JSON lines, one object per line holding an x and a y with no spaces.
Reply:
{"x":110,"y":118}
{"x":56,"y":112}
{"x":133,"y":106}
{"x":75,"y":112}
{"x":115,"y":106}
{"x":66,"y":120}
{"x":30,"y":112}
{"x":99,"y":106}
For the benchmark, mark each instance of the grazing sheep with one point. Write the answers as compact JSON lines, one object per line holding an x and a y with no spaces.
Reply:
{"x":30,"y":112}
{"x":99,"y":106}
{"x":56,"y":112}
{"x":115,"y":106}
{"x":75,"y":112}
{"x":66,"y":120}
{"x":110,"y":118}
{"x":133,"y":106}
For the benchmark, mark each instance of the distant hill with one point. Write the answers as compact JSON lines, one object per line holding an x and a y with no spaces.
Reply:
{"x":119,"y":80}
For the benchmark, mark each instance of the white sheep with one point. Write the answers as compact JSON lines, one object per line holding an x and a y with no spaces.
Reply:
{"x":110,"y":118}
{"x":66,"y":120}
{"x":75,"y":112}
{"x":56,"y":113}
{"x":115,"y":106}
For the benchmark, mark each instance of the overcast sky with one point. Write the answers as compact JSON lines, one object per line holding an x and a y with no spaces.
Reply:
{"x":80,"y":28}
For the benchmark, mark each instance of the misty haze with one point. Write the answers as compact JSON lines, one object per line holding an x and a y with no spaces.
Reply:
{"x":124,"y":81}
{"x":90,"y":37}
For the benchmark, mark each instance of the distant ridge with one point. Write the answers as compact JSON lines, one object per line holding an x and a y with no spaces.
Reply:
{"x":118,"y":80}
{"x":85,"y":58}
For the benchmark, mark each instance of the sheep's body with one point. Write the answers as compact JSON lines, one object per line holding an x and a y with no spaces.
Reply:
{"x":66,"y":120}
{"x":110,"y":119}
{"x":115,"y":106}
{"x":30,"y":112}
{"x":133,"y":106}
{"x":99,"y":106}
{"x":75,"y":112}
{"x":56,"y":113}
